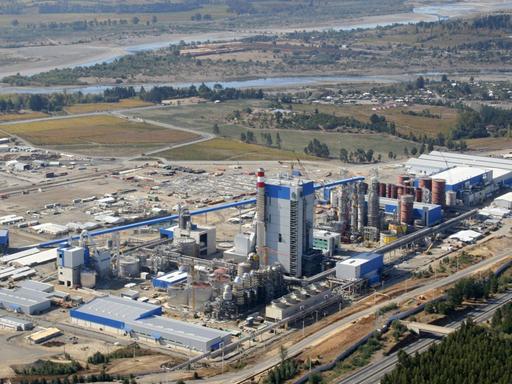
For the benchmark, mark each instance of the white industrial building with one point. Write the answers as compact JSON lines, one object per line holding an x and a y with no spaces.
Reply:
{"x":298,"y":301}
{"x":326,"y":241}
{"x":504,"y":201}
{"x":436,"y":162}
{"x":143,"y":320}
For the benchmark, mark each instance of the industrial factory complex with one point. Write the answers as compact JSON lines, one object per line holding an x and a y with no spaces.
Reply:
{"x":204,"y":265}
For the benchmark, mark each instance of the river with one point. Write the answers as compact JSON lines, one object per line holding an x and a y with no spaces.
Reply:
{"x":423,"y":13}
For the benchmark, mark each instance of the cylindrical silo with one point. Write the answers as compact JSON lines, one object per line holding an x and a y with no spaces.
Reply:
{"x":406,"y":209}
{"x":418,"y":195}
{"x":451,"y":198}
{"x":129,"y":267}
{"x":393,"y":191}
{"x":382,"y":189}
{"x":400,"y":190}
{"x":187,"y":246}
{"x":439,"y":192}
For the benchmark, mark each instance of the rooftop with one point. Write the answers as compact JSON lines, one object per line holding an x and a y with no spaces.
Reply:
{"x":459,"y":174}
{"x":166,"y":325}
{"x":117,"y":308}
{"x":173,"y":277}
{"x":507,"y":197}
{"x":23,"y":296}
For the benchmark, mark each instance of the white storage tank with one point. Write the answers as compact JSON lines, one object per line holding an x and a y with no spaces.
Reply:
{"x":451,"y":198}
{"x":129,"y":267}
{"x":88,"y":278}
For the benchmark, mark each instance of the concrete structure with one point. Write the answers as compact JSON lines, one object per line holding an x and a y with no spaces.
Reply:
{"x":24,"y":300}
{"x":460,"y":178}
{"x":504,"y":201}
{"x":326,"y":241}
{"x":134,"y":318}
{"x":244,"y":244}
{"x":364,"y":266}
{"x":298,"y":301}
{"x":205,"y":237}
{"x":289,"y":209}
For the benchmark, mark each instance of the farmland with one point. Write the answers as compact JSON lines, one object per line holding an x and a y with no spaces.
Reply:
{"x":108,"y":133}
{"x":220,"y":149}
{"x":100,"y":107}
{"x":21,"y":116}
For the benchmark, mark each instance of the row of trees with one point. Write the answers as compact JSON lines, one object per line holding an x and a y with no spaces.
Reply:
{"x":57,"y":101}
{"x":465,"y":289}
{"x":318,"y":149}
{"x":102,"y":377}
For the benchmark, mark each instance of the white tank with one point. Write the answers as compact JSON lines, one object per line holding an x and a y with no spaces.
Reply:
{"x":129,"y":267}
{"x":228,"y":293}
{"x":451,"y":198}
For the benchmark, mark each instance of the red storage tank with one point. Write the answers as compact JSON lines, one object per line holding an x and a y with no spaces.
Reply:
{"x":382,"y":190}
{"x":406,"y":209}
{"x":389,"y":190}
{"x":439,"y":192}
{"x":418,"y":194}
{"x":426,"y":182}
{"x":394,"y":191}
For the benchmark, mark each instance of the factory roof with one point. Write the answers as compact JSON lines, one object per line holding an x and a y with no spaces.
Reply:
{"x":361,"y":258}
{"x":36,"y":285}
{"x":18,"y":255}
{"x":458,"y":175}
{"x":117,"y":308}
{"x":506,"y":197}
{"x":4,"y":232}
{"x":159,"y":324}
{"x":37,"y":258}
{"x":173,"y":277}
{"x":466,"y":236}
{"x":23,"y":296}
{"x":14,"y":321}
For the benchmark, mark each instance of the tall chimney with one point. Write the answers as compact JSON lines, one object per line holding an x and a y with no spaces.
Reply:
{"x":260,"y":217}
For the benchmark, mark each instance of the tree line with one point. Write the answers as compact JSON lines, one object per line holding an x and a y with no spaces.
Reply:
{"x":55,"y":102}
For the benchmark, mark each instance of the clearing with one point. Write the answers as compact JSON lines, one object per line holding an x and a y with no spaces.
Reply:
{"x":101,"y":107}
{"x":224,"y":149}
{"x":411,"y":119}
{"x":98,"y":135}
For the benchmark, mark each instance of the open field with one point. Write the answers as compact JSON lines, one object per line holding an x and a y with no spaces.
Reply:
{"x":223,"y":149}
{"x":202,"y":117}
{"x":490,"y":144}
{"x":100,"y":107}
{"x":21,"y":116}
{"x":405,"y":123}
{"x":92,"y":132}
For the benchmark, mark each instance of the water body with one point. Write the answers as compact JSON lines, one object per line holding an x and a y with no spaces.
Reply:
{"x":426,"y":13}
{"x":264,"y":82}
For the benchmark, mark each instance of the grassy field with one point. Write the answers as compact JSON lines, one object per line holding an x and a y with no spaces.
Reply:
{"x":202,"y":117}
{"x":490,"y":143}
{"x":84,"y":133}
{"x":100,"y":107}
{"x":405,"y":123}
{"x":226,"y":149}
{"x":21,"y":116}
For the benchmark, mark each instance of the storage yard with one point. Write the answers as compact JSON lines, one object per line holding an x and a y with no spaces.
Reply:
{"x":214,"y":261}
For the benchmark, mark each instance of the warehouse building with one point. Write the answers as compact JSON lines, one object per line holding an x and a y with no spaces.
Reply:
{"x":436,"y":162}
{"x":134,"y":318}
{"x":4,"y":241}
{"x":24,"y":300}
{"x":9,"y":322}
{"x":170,"y":279}
{"x":364,"y":266}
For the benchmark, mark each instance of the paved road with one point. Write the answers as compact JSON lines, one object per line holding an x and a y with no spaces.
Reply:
{"x":375,"y":372}
{"x":249,"y":372}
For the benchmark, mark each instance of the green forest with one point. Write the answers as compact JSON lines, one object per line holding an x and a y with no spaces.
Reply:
{"x":472,"y":355}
